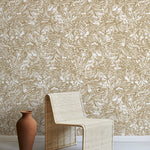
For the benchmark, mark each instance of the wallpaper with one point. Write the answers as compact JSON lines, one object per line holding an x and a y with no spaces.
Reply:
{"x":98,"y":47}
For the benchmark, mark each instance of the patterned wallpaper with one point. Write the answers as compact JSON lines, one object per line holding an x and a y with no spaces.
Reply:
{"x":100,"y":47}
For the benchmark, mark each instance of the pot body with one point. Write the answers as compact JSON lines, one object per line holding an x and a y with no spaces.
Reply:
{"x":26,"y":130}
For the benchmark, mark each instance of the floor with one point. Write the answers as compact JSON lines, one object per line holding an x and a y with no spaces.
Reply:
{"x":10,"y":143}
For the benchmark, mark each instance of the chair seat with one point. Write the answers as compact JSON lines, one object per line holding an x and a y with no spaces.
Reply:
{"x":96,"y":132}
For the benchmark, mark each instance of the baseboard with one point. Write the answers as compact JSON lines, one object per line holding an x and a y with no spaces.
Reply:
{"x":125,"y":139}
{"x":7,"y":138}
{"x":132,"y":139}
{"x":120,"y":142}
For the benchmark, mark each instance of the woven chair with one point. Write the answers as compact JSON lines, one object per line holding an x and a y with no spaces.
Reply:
{"x":63,"y":112}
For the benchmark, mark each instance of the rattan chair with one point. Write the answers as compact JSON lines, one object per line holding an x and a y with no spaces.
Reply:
{"x":63,"y":112}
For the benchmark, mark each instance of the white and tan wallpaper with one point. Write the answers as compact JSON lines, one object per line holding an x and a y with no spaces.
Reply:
{"x":100,"y":47}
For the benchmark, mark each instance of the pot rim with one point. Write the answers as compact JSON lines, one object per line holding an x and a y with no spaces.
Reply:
{"x":26,"y":112}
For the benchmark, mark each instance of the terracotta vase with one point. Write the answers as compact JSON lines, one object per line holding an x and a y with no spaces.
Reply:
{"x":26,"y":130}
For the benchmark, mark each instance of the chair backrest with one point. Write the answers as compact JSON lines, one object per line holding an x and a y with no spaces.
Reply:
{"x":66,"y":106}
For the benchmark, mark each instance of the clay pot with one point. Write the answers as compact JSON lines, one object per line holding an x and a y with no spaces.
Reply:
{"x":26,"y":130}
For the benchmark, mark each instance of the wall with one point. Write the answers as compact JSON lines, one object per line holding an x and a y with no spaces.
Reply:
{"x":100,"y":47}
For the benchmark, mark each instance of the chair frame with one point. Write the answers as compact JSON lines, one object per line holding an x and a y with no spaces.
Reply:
{"x":54,"y":140}
{"x":49,"y":121}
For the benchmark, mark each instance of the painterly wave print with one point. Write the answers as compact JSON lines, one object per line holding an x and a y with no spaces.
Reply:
{"x":100,"y":47}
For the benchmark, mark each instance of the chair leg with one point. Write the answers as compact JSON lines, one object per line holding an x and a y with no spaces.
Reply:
{"x":57,"y":136}
{"x":98,"y":137}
